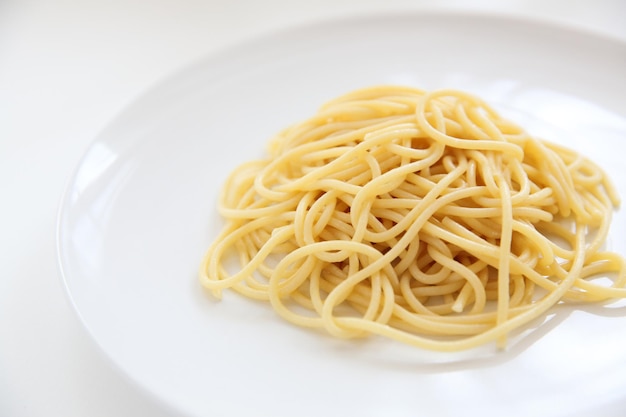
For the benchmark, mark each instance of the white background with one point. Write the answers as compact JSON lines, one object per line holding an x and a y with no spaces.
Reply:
{"x":67,"y":67}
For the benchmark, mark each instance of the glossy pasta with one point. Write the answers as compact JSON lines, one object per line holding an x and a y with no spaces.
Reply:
{"x":421,"y":216}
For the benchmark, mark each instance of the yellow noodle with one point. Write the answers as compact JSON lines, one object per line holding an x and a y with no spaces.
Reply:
{"x":420,"y":216}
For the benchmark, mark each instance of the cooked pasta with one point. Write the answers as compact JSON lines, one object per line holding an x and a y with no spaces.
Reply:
{"x":421,"y":216}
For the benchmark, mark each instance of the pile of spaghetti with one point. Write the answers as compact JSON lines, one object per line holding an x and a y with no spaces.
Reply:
{"x":420,"y":216}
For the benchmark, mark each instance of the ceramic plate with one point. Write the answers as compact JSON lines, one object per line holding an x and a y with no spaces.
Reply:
{"x":141,"y":210}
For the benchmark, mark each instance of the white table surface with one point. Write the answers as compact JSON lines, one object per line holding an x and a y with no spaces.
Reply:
{"x":67,"y":67}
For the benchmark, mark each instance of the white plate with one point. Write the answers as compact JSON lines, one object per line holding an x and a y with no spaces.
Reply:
{"x":140,"y":211}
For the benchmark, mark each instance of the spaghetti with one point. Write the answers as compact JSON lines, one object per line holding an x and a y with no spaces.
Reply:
{"x":420,"y":216}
